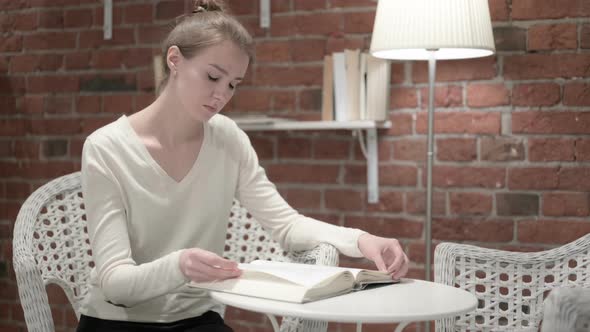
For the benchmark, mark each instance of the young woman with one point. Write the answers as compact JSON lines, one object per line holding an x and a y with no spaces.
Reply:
{"x":158,"y":186}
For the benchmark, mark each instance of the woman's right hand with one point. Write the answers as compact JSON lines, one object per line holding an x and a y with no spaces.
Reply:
{"x":200,"y":265}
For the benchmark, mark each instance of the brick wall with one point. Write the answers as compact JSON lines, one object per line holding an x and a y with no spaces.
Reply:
{"x":512,"y":146}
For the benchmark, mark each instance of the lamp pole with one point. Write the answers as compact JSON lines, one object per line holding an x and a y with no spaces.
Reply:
{"x":429,"y":161}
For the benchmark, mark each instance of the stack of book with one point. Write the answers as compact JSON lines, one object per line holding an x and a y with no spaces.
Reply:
{"x":355,"y":87}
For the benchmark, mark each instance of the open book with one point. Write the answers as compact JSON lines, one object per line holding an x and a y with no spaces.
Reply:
{"x":292,"y":282}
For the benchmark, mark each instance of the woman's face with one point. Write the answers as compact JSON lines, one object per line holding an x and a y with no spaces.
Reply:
{"x":207,"y":81}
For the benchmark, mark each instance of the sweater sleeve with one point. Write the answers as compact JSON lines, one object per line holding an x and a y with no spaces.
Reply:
{"x":123,"y":282}
{"x":292,"y":230}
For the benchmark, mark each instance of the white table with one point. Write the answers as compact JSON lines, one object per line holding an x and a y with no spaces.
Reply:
{"x":409,"y":301}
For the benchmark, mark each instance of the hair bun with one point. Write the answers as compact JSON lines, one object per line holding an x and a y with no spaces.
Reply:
{"x":201,"y":6}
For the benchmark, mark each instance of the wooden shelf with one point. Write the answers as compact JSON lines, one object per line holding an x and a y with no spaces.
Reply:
{"x":370,"y":144}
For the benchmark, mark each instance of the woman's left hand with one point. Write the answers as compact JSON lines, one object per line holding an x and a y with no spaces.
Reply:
{"x":386,"y":253}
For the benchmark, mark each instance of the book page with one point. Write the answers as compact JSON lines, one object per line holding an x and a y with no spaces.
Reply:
{"x":303,"y":274}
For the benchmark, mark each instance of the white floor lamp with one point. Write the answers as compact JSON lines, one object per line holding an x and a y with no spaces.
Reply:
{"x":432,"y":30}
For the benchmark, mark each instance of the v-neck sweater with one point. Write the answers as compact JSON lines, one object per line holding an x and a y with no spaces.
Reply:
{"x":140,"y":219}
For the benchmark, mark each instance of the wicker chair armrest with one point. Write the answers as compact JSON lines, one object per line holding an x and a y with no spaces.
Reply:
{"x":567,"y":309}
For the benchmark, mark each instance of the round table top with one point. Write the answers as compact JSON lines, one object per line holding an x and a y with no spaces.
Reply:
{"x":409,"y":300}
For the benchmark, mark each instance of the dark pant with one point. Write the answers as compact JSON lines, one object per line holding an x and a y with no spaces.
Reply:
{"x":208,"y":322}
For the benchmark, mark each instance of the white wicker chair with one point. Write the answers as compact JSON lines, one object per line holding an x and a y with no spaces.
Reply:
{"x":510,"y":286}
{"x":51,"y":245}
{"x":567,"y":309}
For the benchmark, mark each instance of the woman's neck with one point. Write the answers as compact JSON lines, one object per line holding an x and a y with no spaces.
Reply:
{"x":166,"y":119}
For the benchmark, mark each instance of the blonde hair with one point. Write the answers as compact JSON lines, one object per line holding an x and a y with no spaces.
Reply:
{"x":208,"y":24}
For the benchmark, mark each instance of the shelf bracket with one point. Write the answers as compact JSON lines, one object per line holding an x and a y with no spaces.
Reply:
{"x":108,"y":19}
{"x":372,"y":156}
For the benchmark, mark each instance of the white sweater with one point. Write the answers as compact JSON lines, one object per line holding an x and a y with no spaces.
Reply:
{"x":139,"y":219}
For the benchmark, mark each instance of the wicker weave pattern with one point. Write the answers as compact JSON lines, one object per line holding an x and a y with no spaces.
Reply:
{"x":567,"y":310}
{"x":510,"y":286}
{"x":51,"y":245}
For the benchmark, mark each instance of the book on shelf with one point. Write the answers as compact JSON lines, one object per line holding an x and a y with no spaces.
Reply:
{"x":328,"y":90}
{"x":355,"y":87}
{"x":293,"y":282}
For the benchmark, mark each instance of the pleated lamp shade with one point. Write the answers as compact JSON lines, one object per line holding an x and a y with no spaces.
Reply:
{"x":457,"y":29}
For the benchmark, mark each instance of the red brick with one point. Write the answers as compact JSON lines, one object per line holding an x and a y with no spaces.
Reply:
{"x":310,"y":4}
{"x":551,"y":149}
{"x":99,"y":16}
{"x":79,"y":60}
{"x":291,"y":147}
{"x":118,"y":104}
{"x":152,"y":34}
{"x":52,"y":83}
{"x":467,"y":177}
{"x":58,"y":104}
{"x":499,"y":10}
{"x":308,"y":49}
{"x":535,"y":94}
{"x":76,"y":147}
{"x":50,"y":41}
{"x":456,"y":70}
{"x":473,"y":230}
{"x":389,"y":201}
{"x":461,"y":123}
{"x":166,"y":10}
{"x":401,"y":124}
{"x":444,"y":96}
{"x":533,"y":178}
{"x":51,"y":19}
{"x":582,"y":147}
{"x":31,"y":63}
{"x":252,"y":100}
{"x":553,"y":37}
{"x":534,"y":66}
{"x":309,"y":100}
{"x":499,"y":148}
{"x":10,"y":4}
{"x":466,"y":203}
{"x":393,"y":175}
{"x":487,"y":95}
{"x":574,"y":178}
{"x":26,"y":149}
{"x":303,"y":173}
{"x":283,"y":25}
{"x":352,"y":3}
{"x":532,"y":122}
{"x":138,"y":13}
{"x":344,"y":200}
{"x":304,"y":198}
{"x":551,"y":231}
{"x":286,"y":101}
{"x":576,"y":94}
{"x":566,"y":204}
{"x":78,"y":18}
{"x":121,"y":36}
{"x":18,"y":190}
{"x":279,"y":6}
{"x":409,"y":149}
{"x":402,"y":97}
{"x":359,"y":22}
{"x":47,"y":170}
{"x":416,"y":203}
{"x":33,"y":104}
{"x":326,"y":148}
{"x":12,"y":127}
{"x":386,"y":227}
{"x":456,"y":149}
{"x":285,"y":76}
{"x":585,"y":36}
{"x":242,"y":7}
{"x":121,"y":58}
{"x":307,"y":24}
{"x":11,"y":43}
{"x":550,"y":9}
{"x":89,"y":125}
{"x":88,"y":104}
{"x":143,"y":100}
{"x":55,"y":126}
{"x":273,"y":51}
